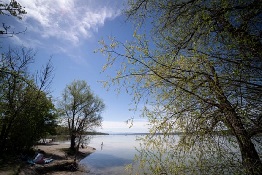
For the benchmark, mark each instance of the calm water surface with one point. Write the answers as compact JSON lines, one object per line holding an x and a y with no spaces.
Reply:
{"x":116,"y":152}
{"x":111,"y":158}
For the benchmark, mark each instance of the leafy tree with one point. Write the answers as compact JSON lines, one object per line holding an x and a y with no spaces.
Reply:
{"x":36,"y":120}
{"x":199,"y":72}
{"x":25,"y":110}
{"x":13,"y":8}
{"x":81,"y":110}
{"x":61,"y":130}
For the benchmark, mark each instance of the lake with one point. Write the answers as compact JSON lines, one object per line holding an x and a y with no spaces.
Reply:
{"x":117,"y":151}
{"x":112,"y":156}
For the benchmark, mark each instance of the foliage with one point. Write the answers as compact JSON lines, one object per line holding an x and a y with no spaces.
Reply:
{"x":81,"y":110}
{"x":199,"y":72}
{"x":13,"y":8}
{"x":61,"y":130}
{"x":27,"y":114}
{"x":37,"y":119}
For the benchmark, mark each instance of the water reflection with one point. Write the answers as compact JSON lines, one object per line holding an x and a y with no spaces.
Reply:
{"x":103,"y":161}
{"x":116,"y":151}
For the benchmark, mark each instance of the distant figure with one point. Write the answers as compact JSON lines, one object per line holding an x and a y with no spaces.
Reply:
{"x":102,"y":145}
{"x":82,"y":146}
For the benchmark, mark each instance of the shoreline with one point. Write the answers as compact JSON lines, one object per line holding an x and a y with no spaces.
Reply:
{"x":56,"y":151}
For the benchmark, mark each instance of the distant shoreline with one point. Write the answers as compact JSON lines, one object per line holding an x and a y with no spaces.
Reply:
{"x":176,"y":133}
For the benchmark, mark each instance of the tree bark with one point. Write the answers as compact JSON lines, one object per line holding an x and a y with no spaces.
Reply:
{"x":249,"y":154}
{"x":250,"y":157}
{"x":73,"y":143}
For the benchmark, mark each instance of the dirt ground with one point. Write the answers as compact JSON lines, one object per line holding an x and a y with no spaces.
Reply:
{"x":56,"y":151}
{"x":56,"y":148}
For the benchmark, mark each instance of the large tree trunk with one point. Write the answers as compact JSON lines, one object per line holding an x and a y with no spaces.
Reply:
{"x":250,"y":157}
{"x":73,"y":143}
{"x":249,"y":154}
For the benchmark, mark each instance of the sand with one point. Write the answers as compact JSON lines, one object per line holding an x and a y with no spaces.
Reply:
{"x":55,"y":151}
{"x":55,"y":148}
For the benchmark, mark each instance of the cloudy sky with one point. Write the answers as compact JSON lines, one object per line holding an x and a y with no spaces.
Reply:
{"x":68,"y":31}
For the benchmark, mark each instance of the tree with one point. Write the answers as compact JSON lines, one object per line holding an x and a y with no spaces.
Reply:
{"x":81,"y":109}
{"x":36,"y":120}
{"x":25,"y":109}
{"x":13,"y":8}
{"x":200,"y":73}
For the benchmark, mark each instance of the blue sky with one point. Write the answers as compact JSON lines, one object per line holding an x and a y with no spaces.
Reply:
{"x":69,"y":31}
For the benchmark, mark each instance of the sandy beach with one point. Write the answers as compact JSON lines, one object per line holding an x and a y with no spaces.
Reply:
{"x":56,"y":148}
{"x":56,"y":151}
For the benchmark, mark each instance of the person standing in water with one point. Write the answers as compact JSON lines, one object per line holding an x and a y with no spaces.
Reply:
{"x":102,"y":145}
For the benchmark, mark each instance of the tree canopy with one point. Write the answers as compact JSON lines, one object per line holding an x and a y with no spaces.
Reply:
{"x":15,"y":9}
{"x":26,"y":112}
{"x":81,"y":110}
{"x":198,"y":65}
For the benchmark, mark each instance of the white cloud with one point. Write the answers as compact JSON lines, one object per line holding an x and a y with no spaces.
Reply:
{"x":68,"y":20}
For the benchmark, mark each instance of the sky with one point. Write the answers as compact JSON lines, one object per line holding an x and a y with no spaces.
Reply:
{"x":68,"y":32}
